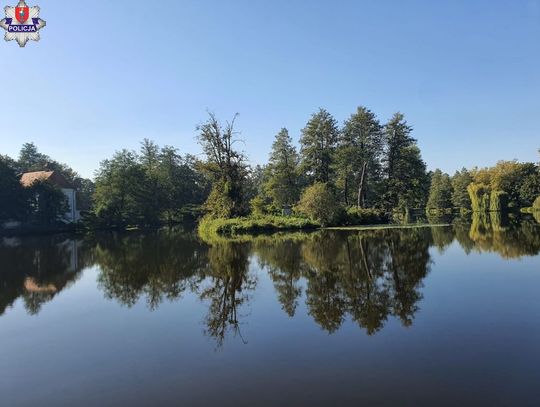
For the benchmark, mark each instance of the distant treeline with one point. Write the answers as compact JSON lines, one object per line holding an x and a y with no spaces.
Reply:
{"x":363,"y":169}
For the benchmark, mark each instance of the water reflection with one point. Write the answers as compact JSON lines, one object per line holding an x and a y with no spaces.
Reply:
{"x":37,"y":269}
{"x":365,"y":276}
{"x":153,"y":266}
{"x":227,"y":288}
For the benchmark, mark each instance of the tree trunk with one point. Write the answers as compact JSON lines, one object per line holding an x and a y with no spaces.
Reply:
{"x":346,"y":191}
{"x":361,"y":186}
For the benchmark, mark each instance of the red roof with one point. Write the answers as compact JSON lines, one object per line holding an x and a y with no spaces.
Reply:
{"x":54,"y":177}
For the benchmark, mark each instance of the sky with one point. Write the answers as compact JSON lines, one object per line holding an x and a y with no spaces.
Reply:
{"x":106,"y":74}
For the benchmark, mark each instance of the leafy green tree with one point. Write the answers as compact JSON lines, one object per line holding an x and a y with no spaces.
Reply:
{"x":152,"y":183}
{"x":517,"y":180}
{"x":407,"y":182}
{"x":147,"y":188}
{"x":180,"y":181}
{"x":440,"y":192}
{"x":254,"y":183}
{"x":282,"y":172}
{"x":357,"y":160}
{"x":318,"y":202}
{"x":225,"y":166}
{"x":119,"y":189}
{"x":460,"y":182}
{"x":318,"y":144}
{"x":13,"y":203}
{"x":530,"y":187}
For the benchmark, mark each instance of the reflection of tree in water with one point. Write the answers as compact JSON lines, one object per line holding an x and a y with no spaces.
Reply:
{"x":159,"y":265}
{"x":373,"y":275}
{"x":510,"y":237}
{"x":324,"y":293}
{"x":282,"y":258}
{"x":407,"y":263}
{"x":37,"y":269}
{"x":442,"y":236}
{"x":227,"y":288}
{"x":363,"y":283}
{"x":367,"y":275}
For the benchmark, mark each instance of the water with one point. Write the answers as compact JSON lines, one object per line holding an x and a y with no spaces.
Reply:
{"x":440,"y":316}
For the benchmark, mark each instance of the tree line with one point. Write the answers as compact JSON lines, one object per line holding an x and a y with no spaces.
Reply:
{"x":359,"y":171}
{"x":507,"y":185}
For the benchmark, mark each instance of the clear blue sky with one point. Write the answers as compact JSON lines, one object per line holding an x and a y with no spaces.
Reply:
{"x":106,"y":74}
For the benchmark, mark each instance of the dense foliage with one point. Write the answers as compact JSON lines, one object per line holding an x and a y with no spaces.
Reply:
{"x":361,"y":172}
{"x":146,"y":188}
{"x":319,"y":204}
{"x":441,"y":191}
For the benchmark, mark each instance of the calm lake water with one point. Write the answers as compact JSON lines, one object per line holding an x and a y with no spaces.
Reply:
{"x":441,"y":316}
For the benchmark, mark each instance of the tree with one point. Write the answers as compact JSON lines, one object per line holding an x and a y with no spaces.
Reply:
{"x":147,"y":188}
{"x":119,"y":189}
{"x":152,"y":184}
{"x":182,"y":184}
{"x":440,"y":192}
{"x":30,"y":159}
{"x":282,"y":174}
{"x":225,"y":166}
{"x":318,"y":202}
{"x":530,"y":189}
{"x":460,"y":182}
{"x":518,"y":182}
{"x":13,"y":204}
{"x":357,"y":160}
{"x":318,"y":143}
{"x":406,"y":179}
{"x":254,"y":183}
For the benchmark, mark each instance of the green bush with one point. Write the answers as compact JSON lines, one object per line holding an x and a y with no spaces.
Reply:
{"x":319,"y":204}
{"x":536,"y":204}
{"x":258,"y":206}
{"x":253,"y":224}
{"x":365,"y":216}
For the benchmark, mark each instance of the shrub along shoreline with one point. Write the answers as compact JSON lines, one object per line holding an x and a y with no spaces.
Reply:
{"x":254,"y":224}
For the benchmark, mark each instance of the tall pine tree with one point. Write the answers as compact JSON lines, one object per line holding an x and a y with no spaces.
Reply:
{"x":282,"y":175}
{"x":318,"y":144}
{"x":405,"y":172}
{"x":357,"y":160}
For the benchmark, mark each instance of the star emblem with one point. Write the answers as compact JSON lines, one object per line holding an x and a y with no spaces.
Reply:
{"x":22,"y":23}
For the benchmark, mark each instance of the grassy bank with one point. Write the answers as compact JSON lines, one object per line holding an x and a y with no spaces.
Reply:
{"x":392,"y":226}
{"x":254,"y":224}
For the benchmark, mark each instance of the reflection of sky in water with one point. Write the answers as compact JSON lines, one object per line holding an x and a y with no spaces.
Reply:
{"x":472,"y":341}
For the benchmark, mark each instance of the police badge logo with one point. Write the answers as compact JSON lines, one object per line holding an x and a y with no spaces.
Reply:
{"x":22,"y":23}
